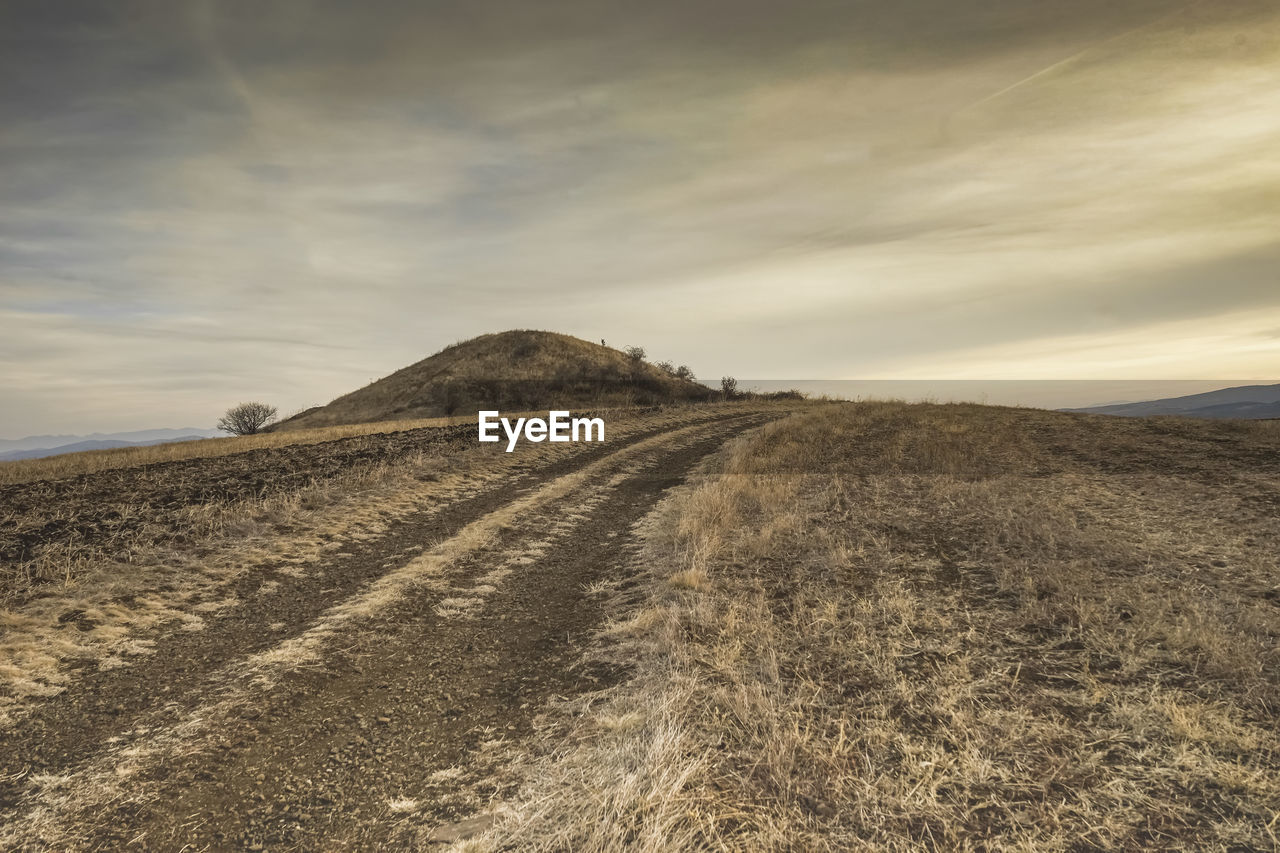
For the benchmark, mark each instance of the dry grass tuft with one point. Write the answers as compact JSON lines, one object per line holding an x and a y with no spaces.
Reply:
{"x":691,"y":579}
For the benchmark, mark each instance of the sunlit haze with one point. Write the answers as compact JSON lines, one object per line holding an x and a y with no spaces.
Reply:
{"x":208,"y":202}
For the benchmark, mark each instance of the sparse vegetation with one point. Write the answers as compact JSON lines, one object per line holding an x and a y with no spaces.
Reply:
{"x":516,"y":370}
{"x":777,"y":396}
{"x":893,"y":627}
{"x":288,"y":591}
{"x":57,"y":529}
{"x":92,"y":461}
{"x":728,"y":387}
{"x":869,"y":626}
{"x":247,"y":418}
{"x":71,"y":512}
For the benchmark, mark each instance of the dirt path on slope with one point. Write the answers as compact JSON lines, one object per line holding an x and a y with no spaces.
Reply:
{"x":101,"y":701}
{"x":322,"y":716}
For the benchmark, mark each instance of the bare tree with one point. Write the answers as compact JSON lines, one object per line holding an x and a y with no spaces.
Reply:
{"x":247,"y":418}
{"x":684,"y":372}
{"x":635,"y":353}
{"x":666,"y":367}
{"x":729,"y":387}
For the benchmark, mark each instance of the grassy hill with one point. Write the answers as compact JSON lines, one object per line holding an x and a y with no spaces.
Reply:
{"x":516,"y":370}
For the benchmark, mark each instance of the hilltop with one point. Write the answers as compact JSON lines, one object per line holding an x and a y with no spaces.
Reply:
{"x":513,"y":370}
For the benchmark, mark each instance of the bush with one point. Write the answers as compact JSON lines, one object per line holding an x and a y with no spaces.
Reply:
{"x":729,"y":387}
{"x":636,"y":354}
{"x":247,"y":418}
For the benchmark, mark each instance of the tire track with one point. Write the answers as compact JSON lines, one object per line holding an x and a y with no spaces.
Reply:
{"x":295,"y":742}
{"x":98,"y":703}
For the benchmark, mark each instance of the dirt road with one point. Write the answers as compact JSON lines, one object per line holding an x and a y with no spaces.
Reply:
{"x":364,"y":700}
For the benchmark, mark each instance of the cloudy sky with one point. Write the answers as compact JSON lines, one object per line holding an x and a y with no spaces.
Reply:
{"x":208,"y":202}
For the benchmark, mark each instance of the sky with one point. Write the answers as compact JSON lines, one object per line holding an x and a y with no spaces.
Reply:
{"x":208,"y":202}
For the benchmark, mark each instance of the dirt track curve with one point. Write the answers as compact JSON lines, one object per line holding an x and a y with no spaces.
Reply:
{"x":375,"y":685}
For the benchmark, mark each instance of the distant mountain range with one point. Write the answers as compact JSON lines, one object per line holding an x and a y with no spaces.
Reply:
{"x":1253,"y":402}
{"x":38,"y":446}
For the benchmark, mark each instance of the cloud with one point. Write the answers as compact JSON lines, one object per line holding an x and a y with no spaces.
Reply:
{"x":290,"y":202}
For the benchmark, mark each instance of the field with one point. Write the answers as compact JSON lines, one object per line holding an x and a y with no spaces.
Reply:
{"x":743,"y":627}
{"x":942,"y":627}
{"x":93,"y":461}
{"x":171,"y":630}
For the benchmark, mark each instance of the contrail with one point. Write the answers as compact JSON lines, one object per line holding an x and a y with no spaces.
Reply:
{"x":1036,"y":76}
{"x":1074,"y":57}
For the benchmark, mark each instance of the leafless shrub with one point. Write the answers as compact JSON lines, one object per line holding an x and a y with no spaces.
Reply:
{"x":247,"y":418}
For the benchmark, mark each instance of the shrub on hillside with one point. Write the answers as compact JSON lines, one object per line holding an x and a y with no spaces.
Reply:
{"x":247,"y":418}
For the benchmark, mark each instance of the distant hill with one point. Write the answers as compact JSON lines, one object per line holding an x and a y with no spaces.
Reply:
{"x":1246,"y":401}
{"x":506,"y":371}
{"x":92,"y":444}
{"x":50,"y":445}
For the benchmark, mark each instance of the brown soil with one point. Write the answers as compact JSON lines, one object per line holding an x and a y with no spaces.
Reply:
{"x":109,"y":510}
{"x":203,"y":746}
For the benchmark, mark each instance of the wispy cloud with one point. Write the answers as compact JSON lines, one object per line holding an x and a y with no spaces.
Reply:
{"x":289,"y":202}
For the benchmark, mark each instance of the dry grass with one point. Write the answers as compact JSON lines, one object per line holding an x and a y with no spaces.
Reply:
{"x":101,"y":608}
{"x":882,"y":626}
{"x":55,"y":816}
{"x":53,"y":529}
{"x":91,"y":606}
{"x":520,"y":369}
